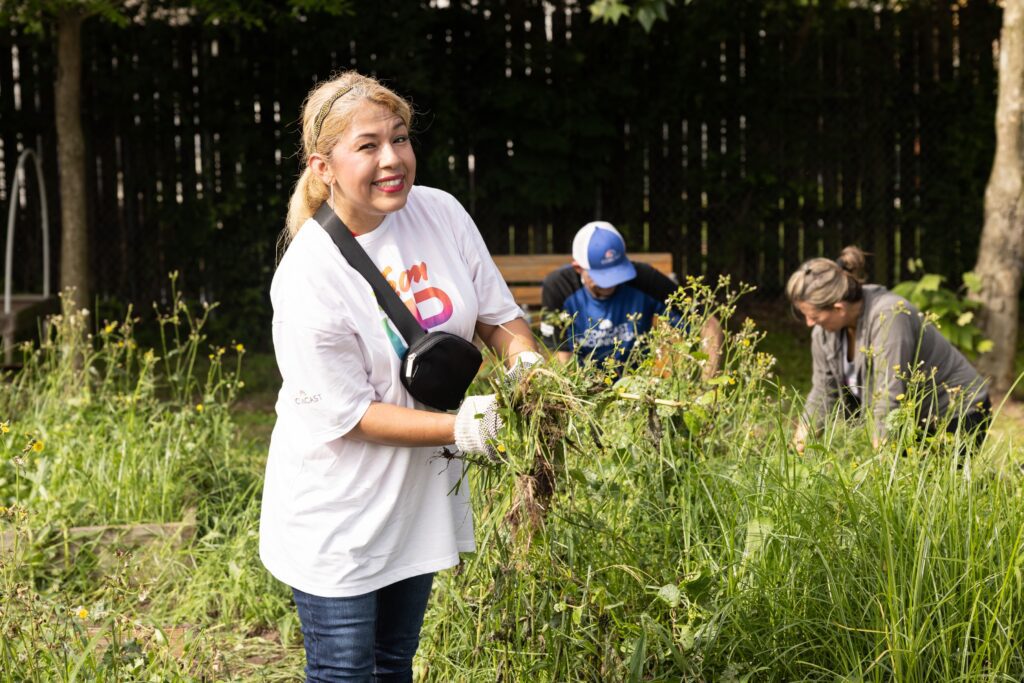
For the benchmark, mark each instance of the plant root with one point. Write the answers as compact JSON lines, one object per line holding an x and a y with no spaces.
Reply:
{"x":532,"y":497}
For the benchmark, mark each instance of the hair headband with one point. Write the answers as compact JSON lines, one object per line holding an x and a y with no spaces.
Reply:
{"x":324,"y":110}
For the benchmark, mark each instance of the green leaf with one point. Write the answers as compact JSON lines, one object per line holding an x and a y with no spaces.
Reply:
{"x":905,"y":289}
{"x":670,"y":594}
{"x":577,"y":474}
{"x":692,"y":422}
{"x":687,"y":638}
{"x":636,"y":661}
{"x":696,"y":585}
{"x":708,"y":397}
{"x":608,"y":11}
{"x":931,"y":282}
{"x":646,"y":17}
{"x":985,"y":345}
{"x":661,"y":7}
{"x":972,"y":281}
{"x":757,"y":533}
{"x":957,"y":336}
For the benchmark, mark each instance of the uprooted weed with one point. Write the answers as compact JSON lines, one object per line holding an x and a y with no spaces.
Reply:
{"x":557,"y":416}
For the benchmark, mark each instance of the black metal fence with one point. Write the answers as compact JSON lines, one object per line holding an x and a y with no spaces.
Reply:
{"x":742,"y":136}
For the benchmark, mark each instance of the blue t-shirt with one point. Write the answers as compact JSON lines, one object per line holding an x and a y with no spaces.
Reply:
{"x":603,"y":327}
{"x":609,"y":327}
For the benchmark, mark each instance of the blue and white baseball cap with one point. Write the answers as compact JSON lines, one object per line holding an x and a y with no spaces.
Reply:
{"x":599,"y":248}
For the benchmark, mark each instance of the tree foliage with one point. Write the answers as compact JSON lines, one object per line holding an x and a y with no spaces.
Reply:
{"x":35,"y":15}
{"x":951,"y":311}
{"x":777,"y":129}
{"x":65,"y":19}
{"x":646,"y":12}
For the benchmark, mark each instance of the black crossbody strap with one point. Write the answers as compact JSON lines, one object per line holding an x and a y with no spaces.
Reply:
{"x":358,"y":259}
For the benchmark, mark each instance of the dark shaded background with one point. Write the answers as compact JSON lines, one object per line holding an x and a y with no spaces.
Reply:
{"x":742,"y":136}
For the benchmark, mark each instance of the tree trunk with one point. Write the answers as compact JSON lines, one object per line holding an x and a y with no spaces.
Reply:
{"x":74,"y":254}
{"x":999,"y":255}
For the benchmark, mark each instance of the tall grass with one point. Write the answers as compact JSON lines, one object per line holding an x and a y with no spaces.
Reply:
{"x":653,"y":527}
{"x":98,"y":431}
{"x":688,"y":541}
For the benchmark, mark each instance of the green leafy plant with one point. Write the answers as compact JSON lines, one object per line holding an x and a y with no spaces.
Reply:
{"x":653,"y":526}
{"x":953,"y":313}
{"x":98,"y":430}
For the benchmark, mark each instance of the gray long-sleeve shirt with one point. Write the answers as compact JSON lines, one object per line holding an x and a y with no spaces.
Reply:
{"x":892,"y":340}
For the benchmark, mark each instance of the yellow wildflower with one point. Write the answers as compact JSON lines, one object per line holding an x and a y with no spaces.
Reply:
{"x":38,"y":446}
{"x":501,"y":448}
{"x":199,"y":408}
{"x":240,"y":348}
{"x":900,"y":397}
{"x":82,"y":613}
{"x":5,"y":427}
{"x":608,"y":381}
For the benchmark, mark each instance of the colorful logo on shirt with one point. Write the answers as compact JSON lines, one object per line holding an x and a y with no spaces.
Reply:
{"x":431,"y":306}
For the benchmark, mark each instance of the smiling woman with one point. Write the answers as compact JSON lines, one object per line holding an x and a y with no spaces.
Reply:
{"x":358,"y":511}
{"x":355,"y":138}
{"x":370,"y":169}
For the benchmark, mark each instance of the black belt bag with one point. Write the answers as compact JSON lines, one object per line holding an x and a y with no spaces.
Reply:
{"x":437,"y":367}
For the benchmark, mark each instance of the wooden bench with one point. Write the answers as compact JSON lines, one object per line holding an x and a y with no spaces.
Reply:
{"x":524,"y":273}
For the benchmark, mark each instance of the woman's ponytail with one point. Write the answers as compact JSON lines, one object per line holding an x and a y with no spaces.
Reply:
{"x":310,"y":192}
{"x":854,"y":262}
{"x":822,"y":282}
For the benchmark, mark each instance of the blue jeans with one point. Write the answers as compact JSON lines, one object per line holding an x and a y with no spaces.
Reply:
{"x":365,"y":638}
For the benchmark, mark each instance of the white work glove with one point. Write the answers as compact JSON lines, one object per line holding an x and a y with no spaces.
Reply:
{"x":524,"y":361}
{"x":477,"y":424}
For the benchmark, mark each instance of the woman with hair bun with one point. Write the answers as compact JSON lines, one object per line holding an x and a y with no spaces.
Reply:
{"x":866,"y":341}
{"x":358,"y":509}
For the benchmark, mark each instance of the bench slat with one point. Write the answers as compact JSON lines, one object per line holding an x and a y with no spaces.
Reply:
{"x":526,"y":295}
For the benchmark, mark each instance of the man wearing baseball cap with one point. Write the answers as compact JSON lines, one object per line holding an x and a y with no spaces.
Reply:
{"x":608,"y":300}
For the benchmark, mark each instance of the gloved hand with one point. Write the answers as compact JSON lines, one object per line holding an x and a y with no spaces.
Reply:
{"x":476,"y":424}
{"x":524,"y":361}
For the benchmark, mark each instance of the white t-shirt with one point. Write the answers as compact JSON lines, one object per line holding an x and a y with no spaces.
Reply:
{"x":850,"y":375}
{"x":342,"y":517}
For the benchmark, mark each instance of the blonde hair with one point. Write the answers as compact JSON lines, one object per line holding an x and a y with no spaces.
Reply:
{"x":823,"y":282}
{"x":320,"y":132}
